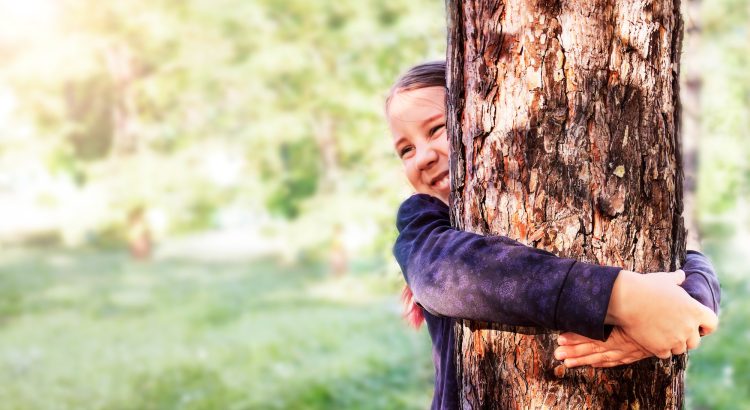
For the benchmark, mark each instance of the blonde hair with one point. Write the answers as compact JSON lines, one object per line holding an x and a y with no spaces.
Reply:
{"x":430,"y":74}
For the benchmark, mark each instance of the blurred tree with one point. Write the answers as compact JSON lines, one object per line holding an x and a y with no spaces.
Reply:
{"x":299,"y":174}
{"x":89,"y":105}
{"x":690,"y":91}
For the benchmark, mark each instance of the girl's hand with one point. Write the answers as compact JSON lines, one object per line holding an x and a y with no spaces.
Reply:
{"x":619,"y":349}
{"x":658,"y":314}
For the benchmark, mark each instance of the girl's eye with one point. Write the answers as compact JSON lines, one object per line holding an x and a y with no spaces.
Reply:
{"x":434,"y":130}
{"x":405,"y":150}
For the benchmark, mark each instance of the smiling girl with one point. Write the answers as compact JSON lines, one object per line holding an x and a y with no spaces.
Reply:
{"x":612,"y":316}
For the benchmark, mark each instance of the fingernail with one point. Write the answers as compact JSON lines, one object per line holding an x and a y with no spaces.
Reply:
{"x":560,"y":355}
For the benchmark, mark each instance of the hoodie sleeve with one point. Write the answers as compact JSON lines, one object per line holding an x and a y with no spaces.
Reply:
{"x":493,"y":278}
{"x":700,"y":280}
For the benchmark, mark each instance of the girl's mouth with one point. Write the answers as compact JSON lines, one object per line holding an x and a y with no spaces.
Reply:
{"x":440,"y":181}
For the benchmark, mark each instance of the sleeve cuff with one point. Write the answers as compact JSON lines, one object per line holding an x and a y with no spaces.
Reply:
{"x":705,"y":290}
{"x":584,"y":299}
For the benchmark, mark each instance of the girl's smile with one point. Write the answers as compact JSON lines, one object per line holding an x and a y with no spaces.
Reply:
{"x":417,"y":122}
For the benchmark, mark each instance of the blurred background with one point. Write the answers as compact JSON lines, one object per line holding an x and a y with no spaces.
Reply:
{"x":197,"y":202}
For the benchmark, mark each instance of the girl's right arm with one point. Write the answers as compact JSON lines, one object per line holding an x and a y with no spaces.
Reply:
{"x":492,"y":278}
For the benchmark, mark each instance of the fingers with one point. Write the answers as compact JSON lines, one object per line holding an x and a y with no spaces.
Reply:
{"x":680,"y":348}
{"x":617,"y":350}
{"x":664,"y":354}
{"x":693,"y":341}
{"x":623,"y":361}
{"x":709,"y":321}
{"x":569,"y":338}
{"x":606,"y":359}
{"x":678,"y":276}
{"x":592,"y":359}
{"x":579,"y":350}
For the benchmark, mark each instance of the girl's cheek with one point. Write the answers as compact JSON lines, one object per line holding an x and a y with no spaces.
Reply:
{"x":407,"y":171}
{"x":412,"y":176}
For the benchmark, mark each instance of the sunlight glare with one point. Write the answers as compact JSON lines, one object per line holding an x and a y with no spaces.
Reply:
{"x":28,"y":10}
{"x":21,"y":20}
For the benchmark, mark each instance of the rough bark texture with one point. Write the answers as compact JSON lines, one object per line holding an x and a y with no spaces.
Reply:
{"x":563,"y":117}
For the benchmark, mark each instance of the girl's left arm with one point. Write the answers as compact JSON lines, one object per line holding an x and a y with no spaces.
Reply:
{"x":701,"y":283}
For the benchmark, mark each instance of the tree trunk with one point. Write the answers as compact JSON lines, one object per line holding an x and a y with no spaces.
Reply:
{"x":563,"y":117}
{"x":123,"y":72}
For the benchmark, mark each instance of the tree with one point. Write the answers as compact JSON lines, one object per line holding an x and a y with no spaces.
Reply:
{"x":564,"y":124}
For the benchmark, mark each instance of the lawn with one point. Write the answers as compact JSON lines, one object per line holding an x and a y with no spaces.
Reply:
{"x":97,"y":330}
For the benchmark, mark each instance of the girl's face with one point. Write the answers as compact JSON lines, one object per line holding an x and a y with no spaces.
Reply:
{"x":417,"y":122}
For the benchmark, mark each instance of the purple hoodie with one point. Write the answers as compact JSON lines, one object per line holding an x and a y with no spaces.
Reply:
{"x":457,"y":274}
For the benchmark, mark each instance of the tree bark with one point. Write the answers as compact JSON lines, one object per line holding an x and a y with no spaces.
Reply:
{"x":563,"y":118}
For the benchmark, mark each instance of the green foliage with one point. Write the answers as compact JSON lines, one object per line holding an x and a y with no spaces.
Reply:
{"x":89,"y":109}
{"x":245,"y":77}
{"x":719,"y":371}
{"x":724,"y":179}
{"x":300,"y":170}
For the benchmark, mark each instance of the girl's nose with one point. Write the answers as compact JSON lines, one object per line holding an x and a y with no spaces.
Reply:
{"x":426,"y":158}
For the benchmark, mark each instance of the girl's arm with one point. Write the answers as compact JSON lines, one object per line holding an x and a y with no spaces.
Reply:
{"x":576,"y":350}
{"x":492,"y":278}
{"x":701,"y":282}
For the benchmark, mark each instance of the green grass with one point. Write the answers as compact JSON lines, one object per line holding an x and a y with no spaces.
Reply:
{"x":98,"y":331}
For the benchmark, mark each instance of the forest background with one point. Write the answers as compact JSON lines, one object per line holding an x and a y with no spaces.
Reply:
{"x":242,"y":146}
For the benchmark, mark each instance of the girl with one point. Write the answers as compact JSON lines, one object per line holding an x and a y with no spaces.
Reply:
{"x":612,"y":316}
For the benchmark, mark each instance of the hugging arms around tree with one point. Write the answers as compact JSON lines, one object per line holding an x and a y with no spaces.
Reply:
{"x":464,"y":275}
